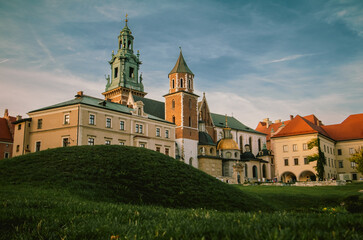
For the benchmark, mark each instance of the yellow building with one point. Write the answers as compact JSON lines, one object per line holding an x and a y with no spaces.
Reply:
{"x":86,"y":120}
{"x":338,"y":142}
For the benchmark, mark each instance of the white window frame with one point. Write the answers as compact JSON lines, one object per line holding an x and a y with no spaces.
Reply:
{"x":305,"y":146}
{"x":91,"y":143}
{"x":94,"y":119}
{"x":158,"y":132}
{"x":107,"y":141}
{"x":108,"y":118}
{"x":285,"y":148}
{"x":122,"y":125}
{"x":121,"y":143}
{"x":294,"y":148}
{"x":66,"y":119}
{"x":166,"y":133}
{"x":68,"y":143}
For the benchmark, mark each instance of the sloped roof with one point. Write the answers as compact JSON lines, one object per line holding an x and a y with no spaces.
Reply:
{"x":351,"y":128}
{"x":271,"y":129}
{"x":181,"y":66}
{"x":152,"y":107}
{"x":220,"y":121}
{"x":300,"y":125}
{"x":5,"y":134}
{"x":97,"y":102}
{"x":205,"y":139}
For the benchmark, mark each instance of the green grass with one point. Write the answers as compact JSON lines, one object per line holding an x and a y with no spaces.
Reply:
{"x":96,"y":192}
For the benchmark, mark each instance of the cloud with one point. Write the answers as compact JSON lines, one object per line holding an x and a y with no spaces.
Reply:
{"x":289,"y":58}
{"x":5,"y":60}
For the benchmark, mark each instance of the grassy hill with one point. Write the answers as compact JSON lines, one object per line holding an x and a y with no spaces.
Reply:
{"x":120,"y":174}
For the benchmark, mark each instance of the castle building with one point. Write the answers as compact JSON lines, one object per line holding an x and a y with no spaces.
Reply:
{"x":288,"y":141}
{"x":6,"y":135}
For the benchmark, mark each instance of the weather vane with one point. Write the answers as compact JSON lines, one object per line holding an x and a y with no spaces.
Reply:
{"x":180,"y":49}
{"x":126,"y":17}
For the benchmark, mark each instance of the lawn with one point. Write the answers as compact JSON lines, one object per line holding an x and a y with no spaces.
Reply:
{"x":112,"y":192}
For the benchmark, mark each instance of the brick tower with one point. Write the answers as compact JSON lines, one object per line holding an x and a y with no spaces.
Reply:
{"x":181,"y":107}
{"x":124,"y":70}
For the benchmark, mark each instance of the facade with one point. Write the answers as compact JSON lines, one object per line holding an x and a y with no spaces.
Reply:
{"x":289,"y":144}
{"x":6,"y":135}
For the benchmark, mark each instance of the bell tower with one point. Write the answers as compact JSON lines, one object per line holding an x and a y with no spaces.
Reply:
{"x":181,"y":108}
{"x":125,"y":66}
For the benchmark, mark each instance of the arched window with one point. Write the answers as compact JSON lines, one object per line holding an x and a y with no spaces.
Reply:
{"x":189,"y":83}
{"x":241,"y":143}
{"x":173,"y":119}
{"x":124,"y":43}
{"x":173,"y":104}
{"x":129,"y":44}
{"x":259,"y":144}
{"x":191,"y":161}
{"x":235,"y":154}
{"x":211,"y":151}
{"x":181,"y":82}
{"x":173,"y":83}
{"x":264,"y":171}
{"x":254,"y":171}
{"x":228,"y":155}
{"x":250,"y":142}
{"x":202,"y":150}
{"x":120,"y":44}
{"x":190,"y":122}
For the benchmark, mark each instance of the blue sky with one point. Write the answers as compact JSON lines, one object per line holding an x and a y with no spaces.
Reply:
{"x":253,"y":59}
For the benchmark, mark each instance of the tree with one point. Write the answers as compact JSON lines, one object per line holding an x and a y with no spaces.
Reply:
{"x":357,"y":157}
{"x":318,"y":157}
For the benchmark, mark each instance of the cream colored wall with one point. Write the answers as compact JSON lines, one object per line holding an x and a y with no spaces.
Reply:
{"x":53,"y":128}
{"x":345,"y":146}
{"x":21,"y":138}
{"x":280,"y":155}
{"x":130,"y":138}
{"x":327,"y":146}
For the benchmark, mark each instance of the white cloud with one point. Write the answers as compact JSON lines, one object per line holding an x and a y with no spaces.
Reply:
{"x":289,"y":58}
{"x":5,"y":60}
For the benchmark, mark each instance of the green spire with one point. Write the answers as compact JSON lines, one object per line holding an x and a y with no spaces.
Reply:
{"x":181,"y":66}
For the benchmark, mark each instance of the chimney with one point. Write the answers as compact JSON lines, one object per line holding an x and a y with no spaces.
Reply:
{"x":278,"y":121}
{"x":267,"y":121}
{"x":18,"y":118}
{"x":6,"y":113}
{"x":291,"y":117}
{"x":79,"y":94}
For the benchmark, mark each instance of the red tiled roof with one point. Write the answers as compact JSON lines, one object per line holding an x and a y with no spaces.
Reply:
{"x":262,"y":127}
{"x":351,"y":128}
{"x":5,"y":134}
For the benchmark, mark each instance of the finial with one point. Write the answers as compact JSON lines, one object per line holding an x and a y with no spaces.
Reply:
{"x":126,"y":18}
{"x":180,"y":49}
{"x":226,"y":121}
{"x":203,"y":94}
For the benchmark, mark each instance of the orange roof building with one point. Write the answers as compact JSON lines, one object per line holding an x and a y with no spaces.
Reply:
{"x":6,"y":135}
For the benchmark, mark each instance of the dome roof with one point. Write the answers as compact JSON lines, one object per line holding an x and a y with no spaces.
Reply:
{"x":205,"y":139}
{"x":247,"y":156}
{"x":227,"y":143}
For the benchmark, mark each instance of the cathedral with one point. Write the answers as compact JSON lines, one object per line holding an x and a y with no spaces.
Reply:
{"x":182,"y":126}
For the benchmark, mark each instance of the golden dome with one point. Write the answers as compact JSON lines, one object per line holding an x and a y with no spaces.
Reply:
{"x":229,"y":144}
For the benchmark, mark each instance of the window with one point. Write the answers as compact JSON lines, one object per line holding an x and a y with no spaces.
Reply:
{"x":190,"y":103}
{"x":115,"y":72}
{"x":107,"y":142}
{"x":139,"y":111}
{"x":235,"y":154}
{"x":66,"y":119}
{"x":167,"y":151}
{"x":40,"y":123}
{"x":158,"y":132}
{"x":65,"y":142}
{"x":340,"y":163}
{"x":189,"y":83}
{"x":296,"y":161}
{"x":211,"y":151}
{"x":17,"y":148}
{"x":351,"y":151}
{"x":352,"y":164}
{"x":339,"y":151}
{"x":19,"y":127}
{"x":158,"y":149}
{"x":305,"y":146}
{"x":190,"y":122}
{"x":122,"y":143}
{"x":181,"y":82}
{"x":129,"y":44}
{"x":324,"y":148}
{"x":173,"y":119}
{"x":294,"y":147}
{"x":166,"y":133}
{"x":259,"y":144}
{"x":228,"y":155}
{"x":140,"y":128}
{"x":328,"y":161}
{"x":37,"y":146}
{"x":306,"y":161}
{"x":285,"y":148}
{"x":202,"y":150}
{"x":173,"y":104}
{"x":91,"y":141}
{"x":131,"y":72}
{"x":6,"y":155}
{"x":250,"y":142}
{"x":108,"y":122}
{"x":137,"y":128}
{"x":286,"y":162}
{"x":122,"y":125}
{"x":91,"y":119}
{"x":143,"y":145}
{"x":173,"y":83}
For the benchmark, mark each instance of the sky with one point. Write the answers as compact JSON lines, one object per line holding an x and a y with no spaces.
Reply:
{"x":253,"y":59}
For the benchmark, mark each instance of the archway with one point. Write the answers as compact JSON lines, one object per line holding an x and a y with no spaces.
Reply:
{"x":254,"y":171}
{"x":307,"y":176}
{"x":288,"y":177}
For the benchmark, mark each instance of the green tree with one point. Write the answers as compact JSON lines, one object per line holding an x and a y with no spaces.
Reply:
{"x":318,"y":157}
{"x":357,"y":157}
